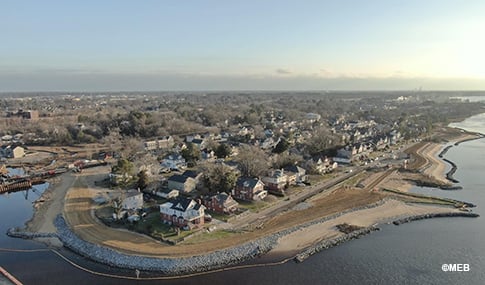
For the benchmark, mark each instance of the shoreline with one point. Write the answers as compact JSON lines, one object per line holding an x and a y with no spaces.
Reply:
{"x":230,"y":257}
{"x":55,"y":231}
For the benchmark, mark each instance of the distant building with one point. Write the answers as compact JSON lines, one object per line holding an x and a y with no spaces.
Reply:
{"x":312,"y":117}
{"x":162,"y":143}
{"x":12,"y":151}
{"x":29,"y":114}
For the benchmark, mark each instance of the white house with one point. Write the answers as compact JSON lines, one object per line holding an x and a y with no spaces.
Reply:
{"x":183,"y":212}
{"x":173,"y":161}
{"x":133,"y":201}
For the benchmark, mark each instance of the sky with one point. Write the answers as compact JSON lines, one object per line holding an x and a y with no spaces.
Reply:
{"x":118,"y":45}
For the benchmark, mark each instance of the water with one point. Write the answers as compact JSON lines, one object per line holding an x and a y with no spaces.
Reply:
{"x":408,"y":254}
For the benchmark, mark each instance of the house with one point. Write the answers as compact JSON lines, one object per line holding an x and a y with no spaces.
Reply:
{"x":321,"y":166}
{"x":183,"y":212}
{"x":182,"y":183}
{"x":221,"y":203}
{"x":199,"y":143}
{"x":167,"y":193}
{"x":395,"y":137}
{"x":276,"y":182}
{"x":197,"y":176}
{"x":249,"y":189}
{"x":193,"y":174}
{"x":343,"y":156}
{"x":12,"y":151}
{"x":173,"y":162}
{"x":312,"y":117}
{"x":165,"y":142}
{"x":295,"y":174}
{"x":29,"y":114}
{"x":132,"y":201}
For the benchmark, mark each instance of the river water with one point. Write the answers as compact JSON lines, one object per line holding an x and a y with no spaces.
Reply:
{"x":408,"y":254}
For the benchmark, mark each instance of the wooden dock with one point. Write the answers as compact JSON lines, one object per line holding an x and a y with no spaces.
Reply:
{"x":19,"y":185}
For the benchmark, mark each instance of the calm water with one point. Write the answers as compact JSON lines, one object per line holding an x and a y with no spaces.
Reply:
{"x":406,"y":254}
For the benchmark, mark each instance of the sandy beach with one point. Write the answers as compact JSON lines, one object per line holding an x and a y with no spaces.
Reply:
{"x":295,"y":242}
{"x":436,"y":167}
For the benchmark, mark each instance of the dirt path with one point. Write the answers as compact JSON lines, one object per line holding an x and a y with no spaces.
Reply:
{"x":43,"y":218}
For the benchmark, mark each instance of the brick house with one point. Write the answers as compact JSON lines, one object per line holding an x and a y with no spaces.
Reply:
{"x":249,"y":189}
{"x":183,"y":212}
{"x":220,"y":203}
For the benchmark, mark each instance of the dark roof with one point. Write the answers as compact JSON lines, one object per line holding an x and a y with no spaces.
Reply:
{"x":190,"y":173}
{"x":197,"y":141}
{"x":293,"y":168}
{"x":181,"y":204}
{"x":221,"y":197}
{"x":247,"y":182}
{"x":178,"y":178}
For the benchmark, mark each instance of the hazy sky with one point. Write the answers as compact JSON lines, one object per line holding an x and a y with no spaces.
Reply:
{"x":252,"y":44}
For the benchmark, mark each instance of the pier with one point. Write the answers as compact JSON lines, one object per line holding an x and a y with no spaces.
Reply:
{"x":20,"y":185}
{"x":10,"y":277}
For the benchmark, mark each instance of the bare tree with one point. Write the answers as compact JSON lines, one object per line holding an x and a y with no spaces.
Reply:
{"x":219,"y":177}
{"x":284,"y":159}
{"x":253,"y":162}
{"x":322,"y":140}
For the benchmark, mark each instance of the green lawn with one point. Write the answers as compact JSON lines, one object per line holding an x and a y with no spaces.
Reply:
{"x":153,"y":226}
{"x":209,"y":236}
{"x":255,"y":206}
{"x":218,"y":216}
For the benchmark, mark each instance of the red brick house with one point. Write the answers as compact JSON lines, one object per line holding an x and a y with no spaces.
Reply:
{"x":220,"y":203}
{"x":249,"y":189}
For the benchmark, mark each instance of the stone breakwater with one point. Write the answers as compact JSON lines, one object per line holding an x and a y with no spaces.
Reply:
{"x":168,"y":266}
{"x":452,"y":171}
{"x":16,"y":233}
{"x":213,"y":260}
{"x":436,"y":215}
{"x":333,"y":242}
{"x":183,"y":265}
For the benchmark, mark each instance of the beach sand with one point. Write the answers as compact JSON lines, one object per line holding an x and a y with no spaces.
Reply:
{"x":296,"y":242}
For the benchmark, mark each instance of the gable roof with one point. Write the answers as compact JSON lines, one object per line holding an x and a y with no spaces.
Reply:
{"x":247,"y":182}
{"x":190,"y":173}
{"x":178,"y":178}
{"x":181,"y":204}
{"x":221,"y":197}
{"x":294,"y":169}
